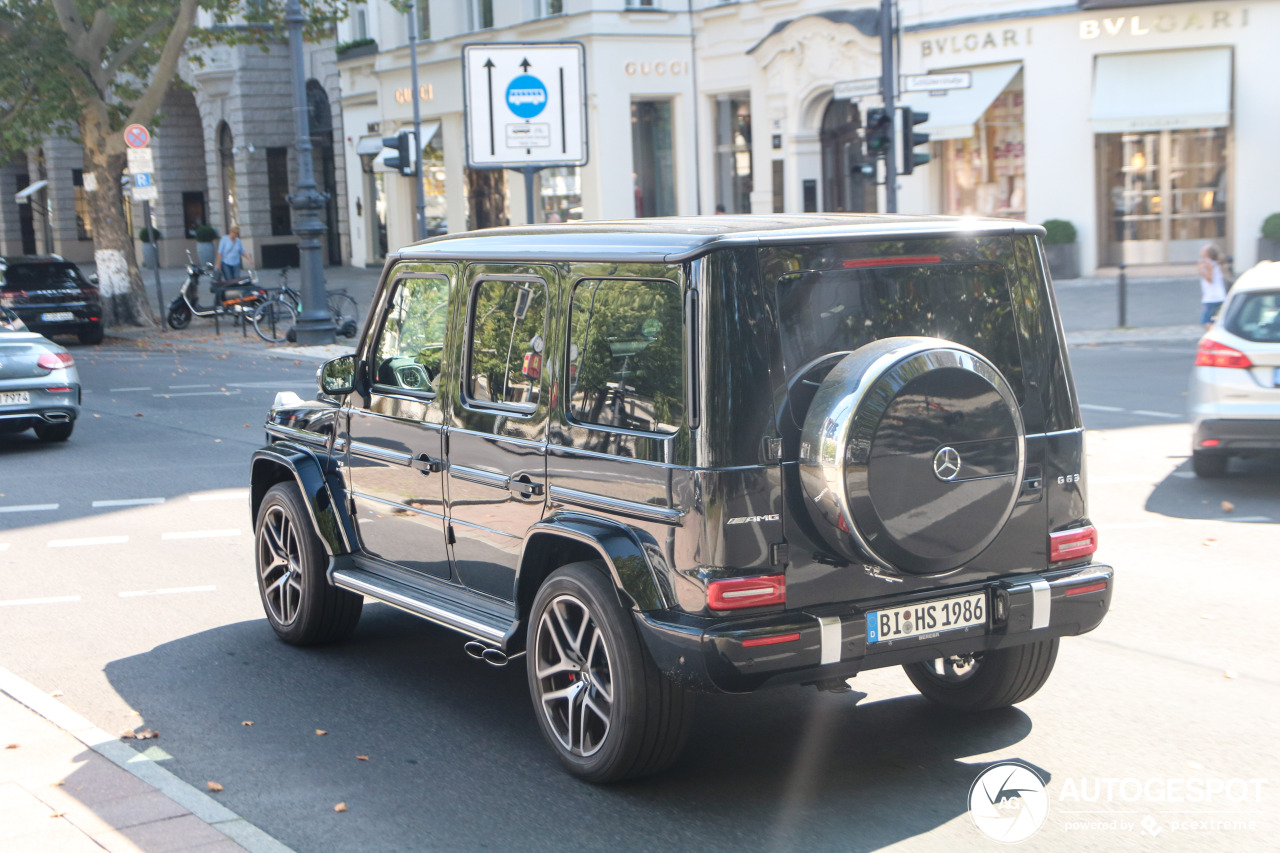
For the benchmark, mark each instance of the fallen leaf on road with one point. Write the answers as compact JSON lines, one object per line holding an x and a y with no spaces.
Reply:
{"x":127,"y":734}
{"x":55,"y":694}
{"x":1228,"y":506}
{"x":96,"y":415}
{"x":57,"y":814}
{"x":214,"y":786}
{"x":246,"y":426}
{"x":1207,"y":616}
{"x":340,"y":807}
{"x":1210,"y":542}
{"x":321,"y":732}
{"x":362,"y":758}
{"x":138,"y":415}
{"x":1230,"y":673}
{"x":247,"y":723}
{"x":12,"y":746}
{"x":59,"y":783}
{"x":146,"y":734}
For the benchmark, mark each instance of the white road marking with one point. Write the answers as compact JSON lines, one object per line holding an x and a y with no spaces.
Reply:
{"x":174,"y":591}
{"x":91,"y":540}
{"x":128,"y":502}
{"x":60,"y":599}
{"x":29,"y":508}
{"x":271,"y":385}
{"x":199,"y":394}
{"x":238,"y":494}
{"x":121,"y":390}
{"x":1152,"y":414}
{"x":201,"y":534}
{"x":1096,"y":408}
{"x":197,"y":385}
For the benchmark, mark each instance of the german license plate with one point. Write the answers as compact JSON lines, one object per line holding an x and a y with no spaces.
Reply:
{"x":57,"y":316}
{"x":927,"y":619}
{"x":13,"y":398}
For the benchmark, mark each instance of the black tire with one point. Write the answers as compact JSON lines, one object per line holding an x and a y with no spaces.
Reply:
{"x":648,"y":714}
{"x":179,"y":316}
{"x":1210,"y":466}
{"x":92,"y":336}
{"x":54,"y":432}
{"x":273,"y":320}
{"x":993,"y":680}
{"x":301,"y":605}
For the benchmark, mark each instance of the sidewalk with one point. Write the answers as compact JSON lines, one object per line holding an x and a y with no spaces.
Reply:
{"x":68,"y":786}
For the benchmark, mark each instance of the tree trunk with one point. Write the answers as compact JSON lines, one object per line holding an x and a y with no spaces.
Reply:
{"x":487,"y":191}
{"x":124,"y":298}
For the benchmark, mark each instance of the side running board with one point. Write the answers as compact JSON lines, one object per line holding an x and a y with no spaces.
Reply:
{"x":492,"y":628}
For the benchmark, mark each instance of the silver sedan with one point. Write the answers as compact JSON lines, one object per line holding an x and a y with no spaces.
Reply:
{"x":39,"y":385}
{"x":1235,"y":385}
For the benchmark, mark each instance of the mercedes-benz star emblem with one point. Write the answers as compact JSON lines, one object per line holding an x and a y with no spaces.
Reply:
{"x":946,"y":464}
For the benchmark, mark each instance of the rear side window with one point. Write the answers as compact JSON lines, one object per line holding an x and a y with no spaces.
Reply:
{"x":626,"y":355}
{"x":507,"y":336}
{"x":1256,"y":317}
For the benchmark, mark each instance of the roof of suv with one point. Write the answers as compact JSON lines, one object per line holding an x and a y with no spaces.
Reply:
{"x":678,"y":238}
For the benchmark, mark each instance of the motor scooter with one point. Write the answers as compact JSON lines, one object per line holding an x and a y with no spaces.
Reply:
{"x":237,"y":297}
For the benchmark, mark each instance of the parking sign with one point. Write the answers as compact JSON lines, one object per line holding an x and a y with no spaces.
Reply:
{"x":525,"y":105}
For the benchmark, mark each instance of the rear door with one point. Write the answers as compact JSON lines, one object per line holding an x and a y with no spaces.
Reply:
{"x":498,"y":422}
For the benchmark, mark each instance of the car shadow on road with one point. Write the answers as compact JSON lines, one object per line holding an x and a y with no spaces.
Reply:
{"x":1251,"y":488}
{"x":454,"y":754}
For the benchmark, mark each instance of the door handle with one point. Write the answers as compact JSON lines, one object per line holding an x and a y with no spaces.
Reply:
{"x":426,"y":464}
{"x":524,"y":487}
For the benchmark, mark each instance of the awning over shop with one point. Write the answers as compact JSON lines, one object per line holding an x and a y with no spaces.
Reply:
{"x":23,"y":195}
{"x":1159,"y":90}
{"x":953,"y":115}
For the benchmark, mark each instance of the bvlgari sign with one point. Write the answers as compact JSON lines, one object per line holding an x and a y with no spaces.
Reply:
{"x":1164,"y":23}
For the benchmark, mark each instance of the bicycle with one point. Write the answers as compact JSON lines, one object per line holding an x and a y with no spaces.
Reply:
{"x":275,"y":318}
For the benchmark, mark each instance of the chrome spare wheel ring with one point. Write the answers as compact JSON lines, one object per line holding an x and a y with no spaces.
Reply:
{"x":575,"y":675}
{"x":280,"y":566}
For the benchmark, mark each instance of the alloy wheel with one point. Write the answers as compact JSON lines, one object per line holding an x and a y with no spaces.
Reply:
{"x":574,"y":676}
{"x":280,"y":566}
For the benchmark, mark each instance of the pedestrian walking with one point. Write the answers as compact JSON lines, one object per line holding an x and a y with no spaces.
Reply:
{"x":230,"y":254}
{"x":1213,"y":288}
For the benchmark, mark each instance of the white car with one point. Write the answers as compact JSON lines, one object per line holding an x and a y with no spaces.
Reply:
{"x":1235,"y":385}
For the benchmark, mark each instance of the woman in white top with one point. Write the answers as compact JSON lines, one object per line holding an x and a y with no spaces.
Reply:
{"x":1213,"y":289}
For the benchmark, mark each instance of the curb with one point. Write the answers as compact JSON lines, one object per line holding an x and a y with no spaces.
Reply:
{"x":1135,"y":335}
{"x":197,"y":802}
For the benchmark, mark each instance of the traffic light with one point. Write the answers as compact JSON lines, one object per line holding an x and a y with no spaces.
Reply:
{"x":403,"y":161}
{"x":879,"y":132}
{"x":910,"y":139}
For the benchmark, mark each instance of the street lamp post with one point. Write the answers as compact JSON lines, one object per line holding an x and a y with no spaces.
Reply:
{"x":315,"y":326}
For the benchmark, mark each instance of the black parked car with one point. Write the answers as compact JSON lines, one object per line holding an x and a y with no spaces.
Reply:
{"x":51,"y":296}
{"x":665,"y":456}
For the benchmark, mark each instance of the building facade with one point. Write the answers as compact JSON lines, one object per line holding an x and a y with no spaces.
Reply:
{"x":1143,"y":124}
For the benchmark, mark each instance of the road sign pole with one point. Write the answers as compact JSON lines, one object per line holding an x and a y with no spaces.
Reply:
{"x":528,"y":172}
{"x":419,"y":202}
{"x":155,"y":250}
{"x":889,"y":78}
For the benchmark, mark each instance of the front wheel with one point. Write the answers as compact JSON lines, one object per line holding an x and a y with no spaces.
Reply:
{"x":273,"y":321}
{"x":179,"y":316}
{"x":301,"y":605}
{"x":985,"y":681}
{"x":600,"y":701}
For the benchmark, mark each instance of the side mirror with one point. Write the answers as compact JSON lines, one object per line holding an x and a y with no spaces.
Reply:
{"x":337,"y":376}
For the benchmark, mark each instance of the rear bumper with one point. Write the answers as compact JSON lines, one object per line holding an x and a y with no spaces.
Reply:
{"x":708,"y":653}
{"x":1234,"y":435}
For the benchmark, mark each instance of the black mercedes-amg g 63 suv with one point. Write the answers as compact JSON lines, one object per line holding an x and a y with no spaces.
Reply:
{"x":666,"y":456}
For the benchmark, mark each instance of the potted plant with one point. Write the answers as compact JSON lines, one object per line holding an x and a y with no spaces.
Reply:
{"x":1060,"y":249}
{"x":150,"y":253}
{"x":1269,"y":242}
{"x":356,"y":47}
{"x":206,"y":236}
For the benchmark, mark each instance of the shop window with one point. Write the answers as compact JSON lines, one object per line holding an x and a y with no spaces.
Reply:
{"x":84,"y":222}
{"x":985,"y":175}
{"x":560,"y":193}
{"x":652,"y":160}
{"x":412,"y":338}
{"x":733,"y":153}
{"x":278,"y":191}
{"x":507,"y":331}
{"x":626,"y":355}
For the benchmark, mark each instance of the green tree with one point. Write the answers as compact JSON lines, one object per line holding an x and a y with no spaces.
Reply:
{"x":89,"y":68}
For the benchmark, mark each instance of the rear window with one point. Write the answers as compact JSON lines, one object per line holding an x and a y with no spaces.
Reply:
{"x":42,"y":277}
{"x":839,"y":310}
{"x":1256,"y":317}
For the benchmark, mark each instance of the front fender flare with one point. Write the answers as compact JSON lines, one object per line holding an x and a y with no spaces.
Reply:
{"x":318,"y":482}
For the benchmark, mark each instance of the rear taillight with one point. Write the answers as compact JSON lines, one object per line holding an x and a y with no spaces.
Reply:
{"x":1072,"y":544}
{"x":1098,"y":586}
{"x":774,"y":640}
{"x":738,"y":593}
{"x":55,"y":360}
{"x":59,"y":389}
{"x":1213,"y":354}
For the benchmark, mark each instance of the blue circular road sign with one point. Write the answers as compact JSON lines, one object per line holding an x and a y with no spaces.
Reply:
{"x":526,"y":96}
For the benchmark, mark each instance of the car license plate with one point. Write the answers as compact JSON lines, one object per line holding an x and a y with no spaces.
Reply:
{"x":929,"y":618}
{"x":57,"y":316}
{"x":13,"y":398}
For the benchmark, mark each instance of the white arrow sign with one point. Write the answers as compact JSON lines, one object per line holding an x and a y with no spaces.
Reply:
{"x":525,"y":105}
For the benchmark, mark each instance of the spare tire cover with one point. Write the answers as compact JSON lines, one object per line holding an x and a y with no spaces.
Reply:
{"x":912,"y":454}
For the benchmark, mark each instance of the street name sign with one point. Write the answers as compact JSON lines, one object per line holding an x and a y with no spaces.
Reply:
{"x":936,"y":82}
{"x":849,"y":90}
{"x":525,"y":105}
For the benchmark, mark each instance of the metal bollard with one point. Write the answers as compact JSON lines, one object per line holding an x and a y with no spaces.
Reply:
{"x":1122,"y":295}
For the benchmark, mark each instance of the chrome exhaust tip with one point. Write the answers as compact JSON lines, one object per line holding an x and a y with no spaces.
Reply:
{"x":56,"y":417}
{"x":475,"y":650}
{"x":493,"y":657}
{"x":488,"y":654}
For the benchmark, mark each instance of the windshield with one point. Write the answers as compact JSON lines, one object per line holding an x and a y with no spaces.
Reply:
{"x":42,"y":277}
{"x":1256,"y":317}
